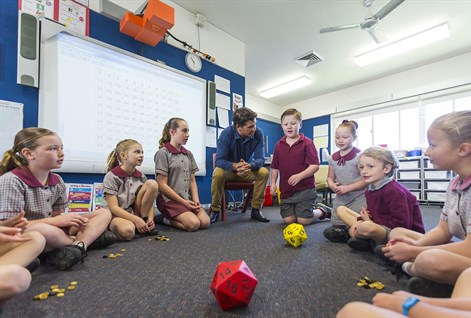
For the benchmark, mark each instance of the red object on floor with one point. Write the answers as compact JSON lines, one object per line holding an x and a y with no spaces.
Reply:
{"x":268,"y":197}
{"x":233,"y":284}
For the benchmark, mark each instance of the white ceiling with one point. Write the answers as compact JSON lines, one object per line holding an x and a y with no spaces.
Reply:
{"x":277,"y":32}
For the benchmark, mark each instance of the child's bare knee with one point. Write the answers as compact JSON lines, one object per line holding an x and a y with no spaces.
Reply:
{"x":192,"y":225}
{"x":152,"y":185}
{"x":430,"y":262}
{"x":126,"y":233}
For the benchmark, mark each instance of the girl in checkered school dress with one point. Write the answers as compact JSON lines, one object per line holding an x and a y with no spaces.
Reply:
{"x":127,"y":192}
{"x":27,"y":184}
{"x":175,"y":169}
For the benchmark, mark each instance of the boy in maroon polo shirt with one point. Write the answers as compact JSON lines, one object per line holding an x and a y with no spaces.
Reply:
{"x":295,"y":160}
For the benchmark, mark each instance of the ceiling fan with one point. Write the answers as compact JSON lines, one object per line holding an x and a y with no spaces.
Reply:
{"x":370,"y":24}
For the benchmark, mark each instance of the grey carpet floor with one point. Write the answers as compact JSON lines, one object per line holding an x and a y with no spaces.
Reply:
{"x":172,"y":278}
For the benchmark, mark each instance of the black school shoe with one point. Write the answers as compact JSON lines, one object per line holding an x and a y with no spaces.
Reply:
{"x":214,"y":216}
{"x":33,"y":265}
{"x":428,"y":288}
{"x":378,"y":250}
{"x":152,"y":232}
{"x":105,"y":239}
{"x":337,"y":234}
{"x":66,"y":257}
{"x":257,"y":215}
{"x":359,"y":244}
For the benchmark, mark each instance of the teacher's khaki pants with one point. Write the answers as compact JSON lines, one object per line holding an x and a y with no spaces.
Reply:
{"x":220,"y":176}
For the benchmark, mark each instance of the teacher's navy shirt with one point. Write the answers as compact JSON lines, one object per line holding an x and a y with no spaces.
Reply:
{"x":231,"y":148}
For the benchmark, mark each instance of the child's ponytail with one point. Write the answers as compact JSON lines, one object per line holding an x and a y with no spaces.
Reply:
{"x":25,"y":138}
{"x":171,"y":124}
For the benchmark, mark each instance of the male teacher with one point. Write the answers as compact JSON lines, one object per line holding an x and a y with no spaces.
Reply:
{"x":239,"y":157}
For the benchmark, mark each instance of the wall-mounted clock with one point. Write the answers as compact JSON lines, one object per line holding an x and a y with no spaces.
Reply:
{"x":193,"y":62}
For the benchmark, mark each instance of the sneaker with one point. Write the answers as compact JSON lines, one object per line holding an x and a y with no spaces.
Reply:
{"x":337,"y":234}
{"x":66,"y":257}
{"x":359,"y":244}
{"x":327,"y":210}
{"x":105,"y":239}
{"x":428,"y":288}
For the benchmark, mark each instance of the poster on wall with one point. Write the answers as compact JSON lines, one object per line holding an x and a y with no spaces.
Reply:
{"x":74,"y":16}
{"x":39,"y":8}
{"x":80,"y":198}
{"x":97,"y":196}
{"x":70,"y":13}
{"x":237,"y":101}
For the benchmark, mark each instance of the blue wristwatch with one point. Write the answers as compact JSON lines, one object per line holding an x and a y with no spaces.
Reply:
{"x":408,"y":304}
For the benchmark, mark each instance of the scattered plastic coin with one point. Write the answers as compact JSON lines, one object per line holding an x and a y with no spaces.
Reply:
{"x":162,"y":238}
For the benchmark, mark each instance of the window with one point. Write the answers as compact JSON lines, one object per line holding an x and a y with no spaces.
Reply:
{"x":401,"y":126}
{"x":386,"y":130}
{"x":463,"y":104}
{"x":409,"y":132}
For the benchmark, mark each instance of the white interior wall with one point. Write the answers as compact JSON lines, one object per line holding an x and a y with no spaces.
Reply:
{"x":230,"y":54}
{"x":447,"y":73}
{"x":263,"y":108}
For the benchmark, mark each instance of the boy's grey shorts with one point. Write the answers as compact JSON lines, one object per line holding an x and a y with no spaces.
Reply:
{"x":300,"y":204}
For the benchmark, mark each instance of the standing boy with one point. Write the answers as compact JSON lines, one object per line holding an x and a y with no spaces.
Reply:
{"x":295,"y":160}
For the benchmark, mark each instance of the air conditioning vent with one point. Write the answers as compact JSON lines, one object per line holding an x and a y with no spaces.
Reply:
{"x":308,"y":59}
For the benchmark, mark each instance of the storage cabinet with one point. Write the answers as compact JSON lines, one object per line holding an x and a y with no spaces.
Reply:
{"x":427,"y":184}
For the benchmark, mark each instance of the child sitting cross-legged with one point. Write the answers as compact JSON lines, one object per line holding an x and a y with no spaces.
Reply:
{"x":389,"y":204}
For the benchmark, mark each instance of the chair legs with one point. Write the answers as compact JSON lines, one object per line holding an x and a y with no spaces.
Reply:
{"x":247,"y":200}
{"x":244,"y":205}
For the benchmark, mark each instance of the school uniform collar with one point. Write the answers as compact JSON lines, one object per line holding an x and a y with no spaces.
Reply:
{"x":460,"y":185}
{"x":237,"y":136}
{"x":341,"y":160}
{"x":27,"y":177}
{"x":383,"y":182}
{"x":123,"y":174}
{"x":174,"y":150}
{"x":300,"y":139}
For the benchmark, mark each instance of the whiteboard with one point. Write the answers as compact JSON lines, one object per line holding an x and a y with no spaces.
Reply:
{"x":11,"y":122}
{"x":94,"y":95}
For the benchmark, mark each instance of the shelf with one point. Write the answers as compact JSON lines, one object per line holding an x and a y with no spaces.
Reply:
{"x":427,"y":184}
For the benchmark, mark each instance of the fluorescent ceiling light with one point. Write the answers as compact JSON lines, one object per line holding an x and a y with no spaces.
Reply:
{"x":286,"y":87}
{"x":410,"y":43}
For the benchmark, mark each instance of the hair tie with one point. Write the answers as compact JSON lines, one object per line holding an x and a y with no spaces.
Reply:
{"x":345,"y":121}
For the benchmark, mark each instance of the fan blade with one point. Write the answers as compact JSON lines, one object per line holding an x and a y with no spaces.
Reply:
{"x":340,"y":28}
{"x":376,"y":34}
{"x":390,"y":6}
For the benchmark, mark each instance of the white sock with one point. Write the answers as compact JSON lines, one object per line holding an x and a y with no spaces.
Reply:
{"x":406,"y":267}
{"x":318,"y":213}
{"x":166,"y":221}
{"x":80,"y":243}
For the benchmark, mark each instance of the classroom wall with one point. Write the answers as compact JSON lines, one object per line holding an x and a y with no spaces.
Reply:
{"x":228,"y":51}
{"x":106,"y":30}
{"x":431,"y":77}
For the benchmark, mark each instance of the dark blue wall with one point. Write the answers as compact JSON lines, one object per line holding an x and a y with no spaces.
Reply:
{"x":308,"y":125}
{"x":272,"y":130}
